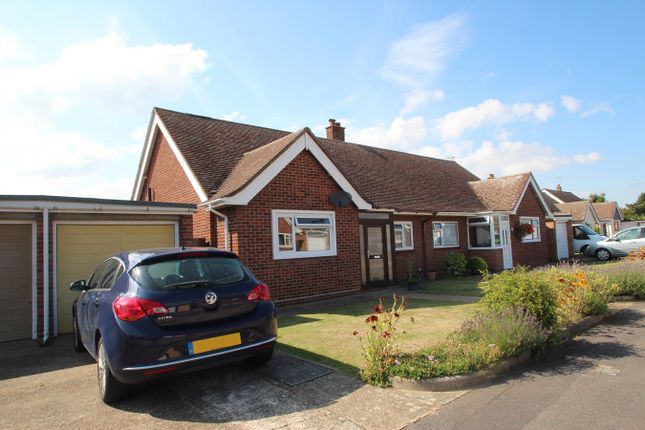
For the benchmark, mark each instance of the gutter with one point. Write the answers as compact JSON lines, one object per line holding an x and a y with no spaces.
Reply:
{"x":225,"y":218}
{"x":45,"y":275}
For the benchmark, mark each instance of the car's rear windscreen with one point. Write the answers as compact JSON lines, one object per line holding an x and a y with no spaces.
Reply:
{"x":189,"y":272}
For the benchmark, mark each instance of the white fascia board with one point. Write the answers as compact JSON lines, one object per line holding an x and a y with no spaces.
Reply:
{"x":304,"y":142}
{"x":77,"y":207}
{"x":155,"y":126}
{"x":532,"y":182}
{"x":553,"y":197}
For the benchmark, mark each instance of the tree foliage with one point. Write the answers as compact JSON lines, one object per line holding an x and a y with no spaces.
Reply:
{"x":597,"y":198}
{"x":635,"y":211}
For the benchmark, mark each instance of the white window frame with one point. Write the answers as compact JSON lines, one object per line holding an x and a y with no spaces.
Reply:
{"x":405,"y":247}
{"x":284,"y":255}
{"x":456,"y":223}
{"x":491,"y":227}
{"x":530,"y":220}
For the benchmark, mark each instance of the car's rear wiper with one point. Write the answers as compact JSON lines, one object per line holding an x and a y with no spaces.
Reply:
{"x":188,"y":284}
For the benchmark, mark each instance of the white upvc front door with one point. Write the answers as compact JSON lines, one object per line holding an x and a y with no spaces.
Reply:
{"x":505,"y":241}
{"x":562,"y":239}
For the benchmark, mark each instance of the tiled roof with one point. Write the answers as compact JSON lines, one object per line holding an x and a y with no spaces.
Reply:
{"x":550,"y":203}
{"x":578,"y":210}
{"x":224,"y":156}
{"x":565,"y":196}
{"x":253,"y":163}
{"x":500,"y":194}
{"x":606,"y":210}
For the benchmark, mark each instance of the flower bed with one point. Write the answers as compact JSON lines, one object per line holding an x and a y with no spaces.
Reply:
{"x":523,"y":311}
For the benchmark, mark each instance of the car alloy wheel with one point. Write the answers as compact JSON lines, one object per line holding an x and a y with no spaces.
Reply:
{"x":110,"y":389}
{"x":603,"y":255}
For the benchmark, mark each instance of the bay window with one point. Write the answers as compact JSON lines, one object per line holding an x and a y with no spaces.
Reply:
{"x":302,"y":234}
{"x":484,"y":231}
{"x":445,"y":234}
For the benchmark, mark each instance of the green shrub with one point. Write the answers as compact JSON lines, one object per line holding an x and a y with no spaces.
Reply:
{"x":378,"y":341}
{"x":482,"y":341}
{"x":456,"y":263}
{"x":521,"y":288}
{"x":476,"y":265}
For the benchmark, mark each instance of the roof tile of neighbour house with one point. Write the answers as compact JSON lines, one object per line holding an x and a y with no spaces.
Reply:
{"x":501,"y":194}
{"x":225,"y":156}
{"x":578,"y":209}
{"x":607,"y":211}
{"x":565,"y":196}
{"x":551,"y":203}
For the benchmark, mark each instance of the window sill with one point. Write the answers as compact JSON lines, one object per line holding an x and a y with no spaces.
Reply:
{"x":445,"y":247}
{"x":532,"y":241}
{"x":404,"y":249}
{"x":293,"y":256}
{"x":486,"y":249}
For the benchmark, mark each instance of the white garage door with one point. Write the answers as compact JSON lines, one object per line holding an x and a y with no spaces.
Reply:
{"x":15,"y":281}
{"x":80,"y":248}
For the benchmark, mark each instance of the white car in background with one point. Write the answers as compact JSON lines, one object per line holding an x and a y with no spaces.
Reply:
{"x":583,"y":236}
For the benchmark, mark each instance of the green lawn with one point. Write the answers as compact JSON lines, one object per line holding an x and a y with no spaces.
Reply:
{"x":454,"y":285}
{"x":327,"y":336}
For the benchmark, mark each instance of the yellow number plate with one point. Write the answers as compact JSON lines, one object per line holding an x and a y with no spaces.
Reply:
{"x":213,"y":343}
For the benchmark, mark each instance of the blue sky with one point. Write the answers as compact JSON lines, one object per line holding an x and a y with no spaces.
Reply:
{"x":552,"y":87}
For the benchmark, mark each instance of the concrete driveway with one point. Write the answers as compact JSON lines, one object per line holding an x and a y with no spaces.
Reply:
{"x":56,"y":388}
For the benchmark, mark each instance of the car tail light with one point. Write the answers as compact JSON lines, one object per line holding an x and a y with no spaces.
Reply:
{"x":133,"y":308}
{"x":260,"y":292}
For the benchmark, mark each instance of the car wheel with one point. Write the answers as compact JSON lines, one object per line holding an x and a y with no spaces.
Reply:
{"x":260,"y":359}
{"x":78,"y":343}
{"x":583,"y":249}
{"x":110,"y":389}
{"x":603,"y":255}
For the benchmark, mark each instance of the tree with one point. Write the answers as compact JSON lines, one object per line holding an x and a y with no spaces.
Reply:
{"x":635,"y":211}
{"x":597,"y":198}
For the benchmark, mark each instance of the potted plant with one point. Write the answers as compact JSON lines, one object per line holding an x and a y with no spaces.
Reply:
{"x":524,"y":230}
{"x":431,"y":275}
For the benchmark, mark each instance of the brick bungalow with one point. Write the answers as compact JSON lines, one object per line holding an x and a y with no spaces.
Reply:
{"x":319,"y":217}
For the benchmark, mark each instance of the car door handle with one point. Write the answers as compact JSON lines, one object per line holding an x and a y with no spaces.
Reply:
{"x":96,"y":303}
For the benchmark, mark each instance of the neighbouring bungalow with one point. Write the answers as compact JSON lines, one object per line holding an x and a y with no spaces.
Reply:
{"x":609,"y":216}
{"x":319,"y":217}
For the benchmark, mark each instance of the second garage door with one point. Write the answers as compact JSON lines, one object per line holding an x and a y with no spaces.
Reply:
{"x":81,"y":247}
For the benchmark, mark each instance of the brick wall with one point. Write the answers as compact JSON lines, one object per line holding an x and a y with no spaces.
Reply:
{"x":302,"y":185}
{"x":530,"y":253}
{"x":169,"y":183}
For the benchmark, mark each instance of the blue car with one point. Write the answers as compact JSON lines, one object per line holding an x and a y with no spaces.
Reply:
{"x":146,"y":314}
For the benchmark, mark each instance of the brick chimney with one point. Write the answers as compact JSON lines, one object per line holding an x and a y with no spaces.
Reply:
{"x":491,"y":176}
{"x":335,"y":131}
{"x":558,"y":187}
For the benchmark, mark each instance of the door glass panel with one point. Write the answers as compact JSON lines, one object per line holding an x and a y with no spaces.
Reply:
{"x":375,"y":253}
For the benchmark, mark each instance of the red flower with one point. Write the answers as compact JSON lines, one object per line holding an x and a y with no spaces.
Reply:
{"x":378,"y":308}
{"x":386,"y":334}
{"x":371,"y":318}
{"x":562,"y":280}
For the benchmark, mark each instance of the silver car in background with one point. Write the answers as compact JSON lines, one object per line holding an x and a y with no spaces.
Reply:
{"x":619,"y":245}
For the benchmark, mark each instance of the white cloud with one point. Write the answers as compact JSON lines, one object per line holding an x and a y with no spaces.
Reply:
{"x":423,"y":53}
{"x":597,"y":109}
{"x":400,"y":134}
{"x":139,"y":133}
{"x":105,"y":73}
{"x":106,"y":76}
{"x":591,"y":157}
{"x":503,"y":135}
{"x":570,"y":103}
{"x":511,"y":157}
{"x":234,"y":116}
{"x":417,"y":98}
{"x":9,"y":45}
{"x":490,"y":111}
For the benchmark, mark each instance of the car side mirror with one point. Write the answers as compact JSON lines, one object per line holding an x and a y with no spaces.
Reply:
{"x":78,"y":285}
